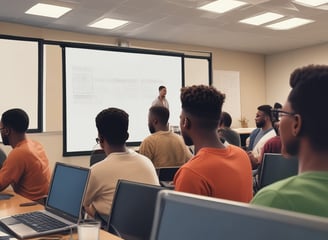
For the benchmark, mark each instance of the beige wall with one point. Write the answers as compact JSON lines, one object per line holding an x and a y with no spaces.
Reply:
{"x":251,"y":67}
{"x":280,"y":66}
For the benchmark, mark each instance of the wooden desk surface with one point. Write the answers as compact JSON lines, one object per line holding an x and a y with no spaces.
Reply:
{"x":11,"y":206}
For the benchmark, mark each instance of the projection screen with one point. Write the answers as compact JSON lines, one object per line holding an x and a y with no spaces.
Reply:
{"x":95,"y":79}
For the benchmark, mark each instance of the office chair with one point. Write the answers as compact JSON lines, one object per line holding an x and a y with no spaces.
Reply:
{"x":276,"y":167}
{"x":167,"y":173}
{"x":132,"y":210}
{"x":97,"y":156}
{"x":166,"y":176}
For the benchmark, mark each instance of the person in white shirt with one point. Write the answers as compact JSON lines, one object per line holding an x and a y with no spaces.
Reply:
{"x":120,"y":163}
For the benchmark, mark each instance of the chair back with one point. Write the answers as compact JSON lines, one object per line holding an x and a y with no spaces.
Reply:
{"x":276,"y":167}
{"x":167,"y":173}
{"x":133,"y":210}
{"x":97,"y":156}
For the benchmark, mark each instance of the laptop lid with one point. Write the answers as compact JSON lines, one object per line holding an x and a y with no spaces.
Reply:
{"x":67,"y":190}
{"x":183,"y":216}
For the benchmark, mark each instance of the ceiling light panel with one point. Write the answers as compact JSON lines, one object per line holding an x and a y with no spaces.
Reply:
{"x":222,"y":6}
{"x":289,"y":24}
{"x":262,"y":18}
{"x":108,"y":23}
{"x":312,"y":3}
{"x":47,"y":10}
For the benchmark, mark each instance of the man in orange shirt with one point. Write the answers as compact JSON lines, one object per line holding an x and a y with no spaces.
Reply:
{"x":215,"y":170}
{"x":26,"y":168}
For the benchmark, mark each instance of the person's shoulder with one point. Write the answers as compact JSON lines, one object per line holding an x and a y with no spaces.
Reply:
{"x":276,"y":194}
{"x":255,"y":131}
{"x":138,"y":156}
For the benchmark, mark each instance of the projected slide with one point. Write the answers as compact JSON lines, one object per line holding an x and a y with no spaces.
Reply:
{"x":98,"y":79}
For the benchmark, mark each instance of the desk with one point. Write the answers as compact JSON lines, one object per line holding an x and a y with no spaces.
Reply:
{"x":11,"y":206}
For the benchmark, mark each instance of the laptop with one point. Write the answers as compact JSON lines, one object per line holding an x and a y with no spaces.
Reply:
{"x":63,"y":205}
{"x":183,"y":216}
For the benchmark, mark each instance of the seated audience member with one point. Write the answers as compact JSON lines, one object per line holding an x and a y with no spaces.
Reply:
{"x":163,"y":147}
{"x":260,"y":135}
{"x":225,"y":132}
{"x":303,"y":134}
{"x":215,"y":170}
{"x":120,"y":163}
{"x":26,"y":168}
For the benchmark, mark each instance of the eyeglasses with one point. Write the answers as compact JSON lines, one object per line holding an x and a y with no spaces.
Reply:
{"x":280,"y":113}
{"x":97,"y":140}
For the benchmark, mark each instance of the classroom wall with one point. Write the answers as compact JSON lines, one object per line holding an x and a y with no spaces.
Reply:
{"x":280,"y":66}
{"x":250,"y":65}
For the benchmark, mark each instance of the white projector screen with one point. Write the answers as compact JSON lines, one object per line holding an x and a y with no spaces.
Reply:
{"x":95,"y":79}
{"x":21,"y":79}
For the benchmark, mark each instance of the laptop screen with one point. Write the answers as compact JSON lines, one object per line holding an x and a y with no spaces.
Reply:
{"x":67,"y":189}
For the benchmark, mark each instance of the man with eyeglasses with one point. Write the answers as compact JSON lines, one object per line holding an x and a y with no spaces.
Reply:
{"x":120,"y":163}
{"x":260,"y":135}
{"x":303,"y":134}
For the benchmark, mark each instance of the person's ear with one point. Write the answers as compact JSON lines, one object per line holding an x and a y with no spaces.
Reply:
{"x":297,"y":124}
{"x":6,"y":131}
{"x":186,"y":123}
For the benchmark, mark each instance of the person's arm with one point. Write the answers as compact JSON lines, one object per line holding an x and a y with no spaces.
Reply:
{"x":11,"y":171}
{"x":90,"y":195}
{"x":254,"y":160}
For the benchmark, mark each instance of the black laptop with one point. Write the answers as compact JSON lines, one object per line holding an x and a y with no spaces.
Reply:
{"x":62,"y":208}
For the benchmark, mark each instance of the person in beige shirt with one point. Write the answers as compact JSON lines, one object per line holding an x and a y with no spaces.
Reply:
{"x":163,"y":147}
{"x":120,"y":163}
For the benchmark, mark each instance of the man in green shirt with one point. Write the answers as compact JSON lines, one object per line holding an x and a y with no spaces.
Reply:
{"x":304,"y":132}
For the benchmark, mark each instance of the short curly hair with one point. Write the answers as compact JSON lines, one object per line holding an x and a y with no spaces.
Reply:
{"x":203,"y":102}
{"x":307,"y":98}
{"x":112,"y":125}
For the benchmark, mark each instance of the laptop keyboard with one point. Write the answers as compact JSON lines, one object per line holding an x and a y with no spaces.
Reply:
{"x":39,"y":221}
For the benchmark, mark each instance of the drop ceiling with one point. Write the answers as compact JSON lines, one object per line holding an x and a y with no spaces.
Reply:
{"x":179,"y":21}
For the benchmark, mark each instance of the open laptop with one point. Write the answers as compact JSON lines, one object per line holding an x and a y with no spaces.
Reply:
{"x":183,"y":216}
{"x":63,"y":205}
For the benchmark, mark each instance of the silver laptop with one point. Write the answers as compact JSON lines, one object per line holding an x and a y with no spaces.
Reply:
{"x":62,"y":208}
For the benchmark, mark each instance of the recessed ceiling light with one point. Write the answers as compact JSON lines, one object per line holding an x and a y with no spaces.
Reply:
{"x":108,"y":23}
{"x":289,"y":24}
{"x":262,"y":18}
{"x":47,"y":10}
{"x":313,"y":3}
{"x":222,"y":6}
